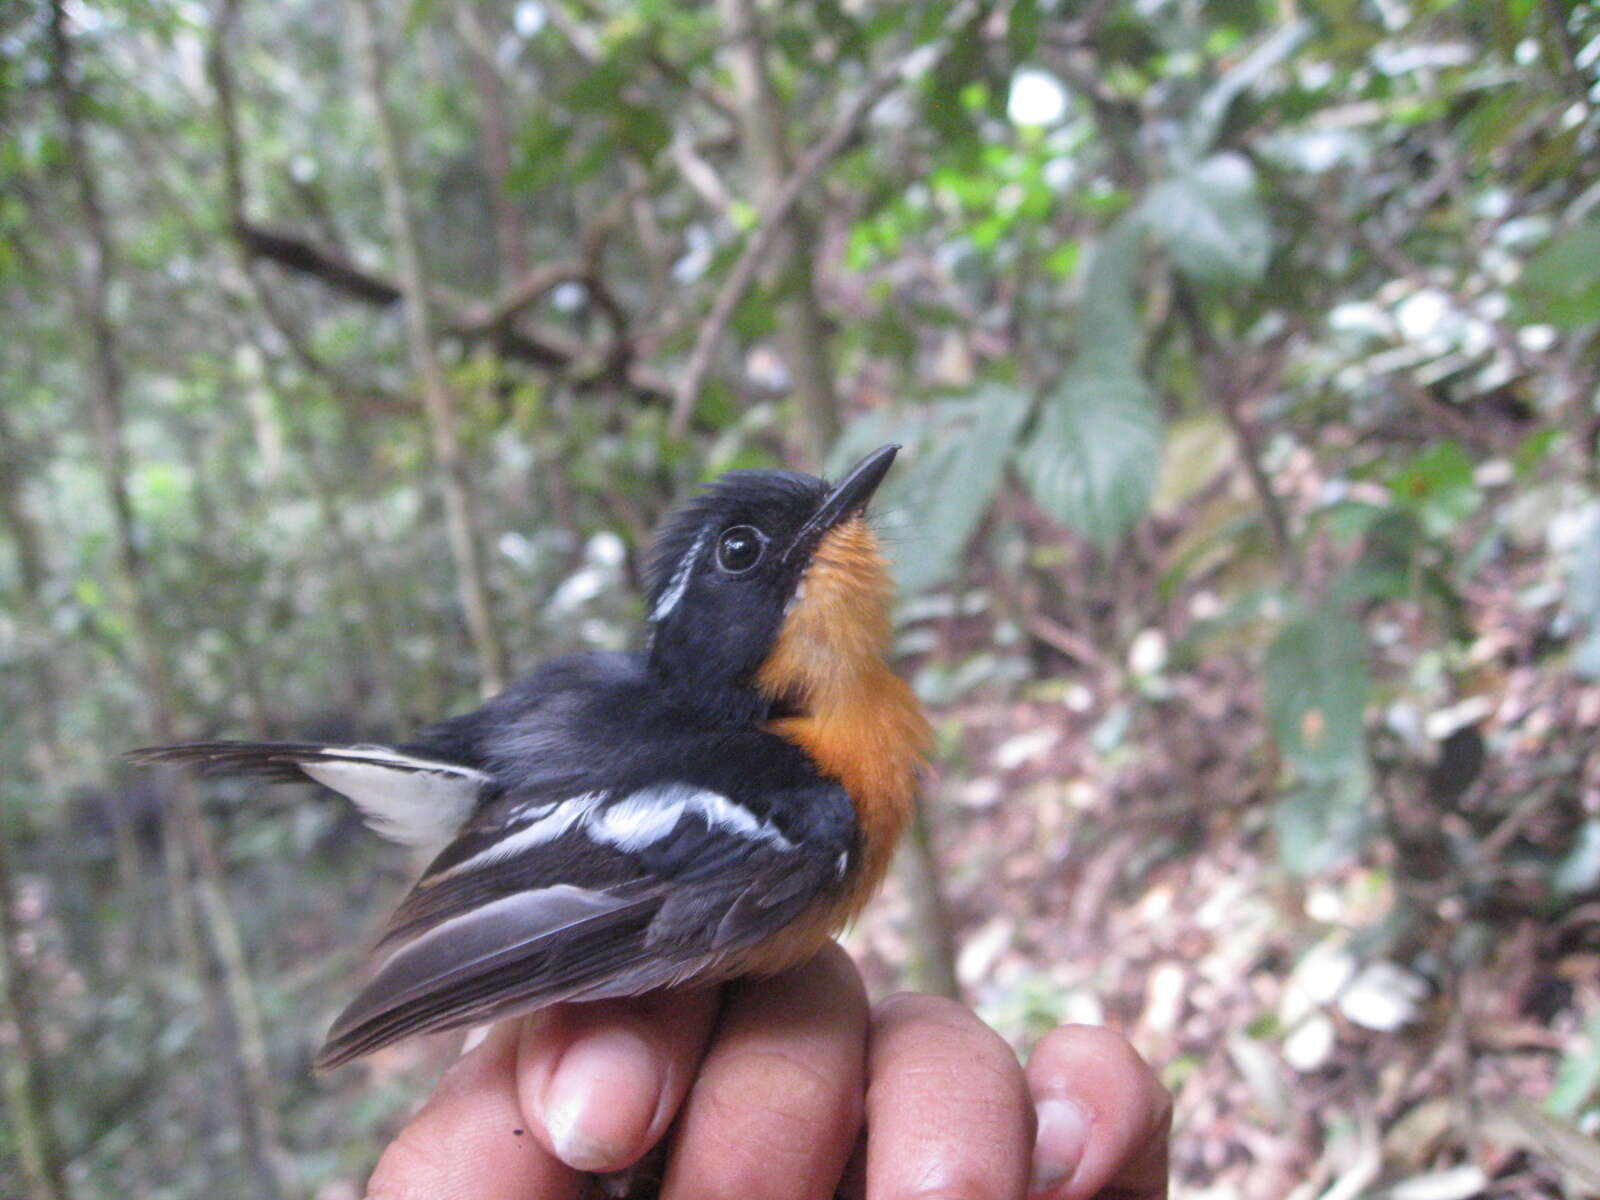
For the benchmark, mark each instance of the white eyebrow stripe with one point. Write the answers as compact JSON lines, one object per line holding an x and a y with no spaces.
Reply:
{"x":680,"y":579}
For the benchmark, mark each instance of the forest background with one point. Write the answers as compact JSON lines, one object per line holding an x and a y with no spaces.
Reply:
{"x":1248,"y":529}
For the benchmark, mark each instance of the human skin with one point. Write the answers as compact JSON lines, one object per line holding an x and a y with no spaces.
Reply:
{"x":791,"y":1088}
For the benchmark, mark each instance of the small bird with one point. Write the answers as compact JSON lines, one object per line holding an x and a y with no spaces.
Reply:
{"x":715,"y":805}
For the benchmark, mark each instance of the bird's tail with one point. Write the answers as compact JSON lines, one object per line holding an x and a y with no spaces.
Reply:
{"x":414,"y":800}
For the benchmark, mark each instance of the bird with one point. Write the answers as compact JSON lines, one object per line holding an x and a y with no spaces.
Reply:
{"x":716,"y":804}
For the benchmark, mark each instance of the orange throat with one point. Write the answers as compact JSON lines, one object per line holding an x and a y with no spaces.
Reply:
{"x":859,"y":722}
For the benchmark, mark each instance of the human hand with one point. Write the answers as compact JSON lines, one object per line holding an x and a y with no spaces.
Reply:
{"x":766,"y":1095}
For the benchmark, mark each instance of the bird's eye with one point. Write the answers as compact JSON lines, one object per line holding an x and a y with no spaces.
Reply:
{"x":740,"y":548}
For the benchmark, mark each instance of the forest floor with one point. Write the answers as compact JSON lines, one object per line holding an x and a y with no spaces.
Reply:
{"x":1389,"y":1028}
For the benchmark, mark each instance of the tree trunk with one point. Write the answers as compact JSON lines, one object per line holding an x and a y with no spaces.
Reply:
{"x":802,"y":331}
{"x":349,"y":561}
{"x":186,"y":836}
{"x":27,"y":1075}
{"x":933,"y":932}
{"x":437,"y":395}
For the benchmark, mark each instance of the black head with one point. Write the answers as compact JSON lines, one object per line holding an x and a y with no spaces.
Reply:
{"x":726,"y":567}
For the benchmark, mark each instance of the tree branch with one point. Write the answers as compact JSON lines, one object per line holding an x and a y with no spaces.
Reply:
{"x":1229,"y":393}
{"x":439,"y":400}
{"x":770,"y":221}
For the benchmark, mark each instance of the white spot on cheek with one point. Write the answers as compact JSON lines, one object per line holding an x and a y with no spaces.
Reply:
{"x":794,"y":600}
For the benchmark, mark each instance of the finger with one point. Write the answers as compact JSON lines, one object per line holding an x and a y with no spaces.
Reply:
{"x":470,"y":1141}
{"x":947,"y":1112}
{"x":777,"y":1104}
{"x":600,"y":1083}
{"x":1104,"y":1118}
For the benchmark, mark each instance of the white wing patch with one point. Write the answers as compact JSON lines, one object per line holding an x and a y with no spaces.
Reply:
{"x":651,"y":814}
{"x":413,"y":801}
{"x":680,"y":579}
{"x":538,"y":825}
{"x":638,"y":820}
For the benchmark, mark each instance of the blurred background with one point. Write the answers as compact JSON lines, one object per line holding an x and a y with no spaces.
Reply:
{"x":1248,"y":527}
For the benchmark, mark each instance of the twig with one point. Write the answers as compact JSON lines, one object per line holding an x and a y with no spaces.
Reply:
{"x":494,"y":317}
{"x":1556,"y":13}
{"x":1063,"y":640}
{"x":770,"y":220}
{"x":1213,"y":360}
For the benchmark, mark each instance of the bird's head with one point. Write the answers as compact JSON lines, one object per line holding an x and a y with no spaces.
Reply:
{"x":768,"y":589}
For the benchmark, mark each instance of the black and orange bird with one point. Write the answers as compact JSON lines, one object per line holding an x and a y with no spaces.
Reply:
{"x":717,"y":804}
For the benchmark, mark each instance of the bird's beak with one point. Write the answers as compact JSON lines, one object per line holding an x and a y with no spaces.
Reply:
{"x":849,"y":496}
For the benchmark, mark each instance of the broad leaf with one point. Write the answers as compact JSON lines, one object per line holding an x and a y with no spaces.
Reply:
{"x":1093,"y":458}
{"x":1560,"y":285}
{"x":1316,"y":676}
{"x":1439,"y":486}
{"x":1211,"y":221}
{"x":932,"y":505}
{"x":1320,"y":824}
{"x":1108,"y":324}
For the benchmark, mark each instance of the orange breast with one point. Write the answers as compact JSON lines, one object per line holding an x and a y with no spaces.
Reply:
{"x":860,"y":723}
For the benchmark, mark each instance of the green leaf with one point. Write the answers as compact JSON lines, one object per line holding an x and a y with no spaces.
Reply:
{"x":1316,"y":679}
{"x":1578,"y":1075}
{"x":949,"y":481}
{"x":1320,"y":824}
{"x":1439,"y":486}
{"x":1560,"y":285}
{"x":1093,"y":458}
{"x":1211,"y":221}
{"x":540,"y":153}
{"x":643,"y":130}
{"x":1108,"y":324}
{"x":1387,"y":568}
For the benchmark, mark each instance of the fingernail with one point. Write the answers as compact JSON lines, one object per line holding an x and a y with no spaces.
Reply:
{"x":599,"y":1103}
{"x":1063,"y":1131}
{"x":474,"y":1039}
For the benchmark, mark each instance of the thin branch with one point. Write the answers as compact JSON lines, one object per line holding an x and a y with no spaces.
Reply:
{"x":527,"y":290}
{"x":770,"y":221}
{"x":537,"y":346}
{"x":439,"y":400}
{"x":1229,"y":393}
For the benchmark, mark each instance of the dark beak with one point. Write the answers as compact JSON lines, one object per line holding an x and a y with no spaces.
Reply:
{"x":849,"y":496}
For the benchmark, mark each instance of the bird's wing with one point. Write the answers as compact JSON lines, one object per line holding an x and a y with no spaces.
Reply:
{"x":410,"y":799}
{"x":598,"y":895}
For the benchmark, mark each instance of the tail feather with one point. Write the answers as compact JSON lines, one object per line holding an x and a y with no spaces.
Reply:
{"x":416,"y":801}
{"x":279,"y":761}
